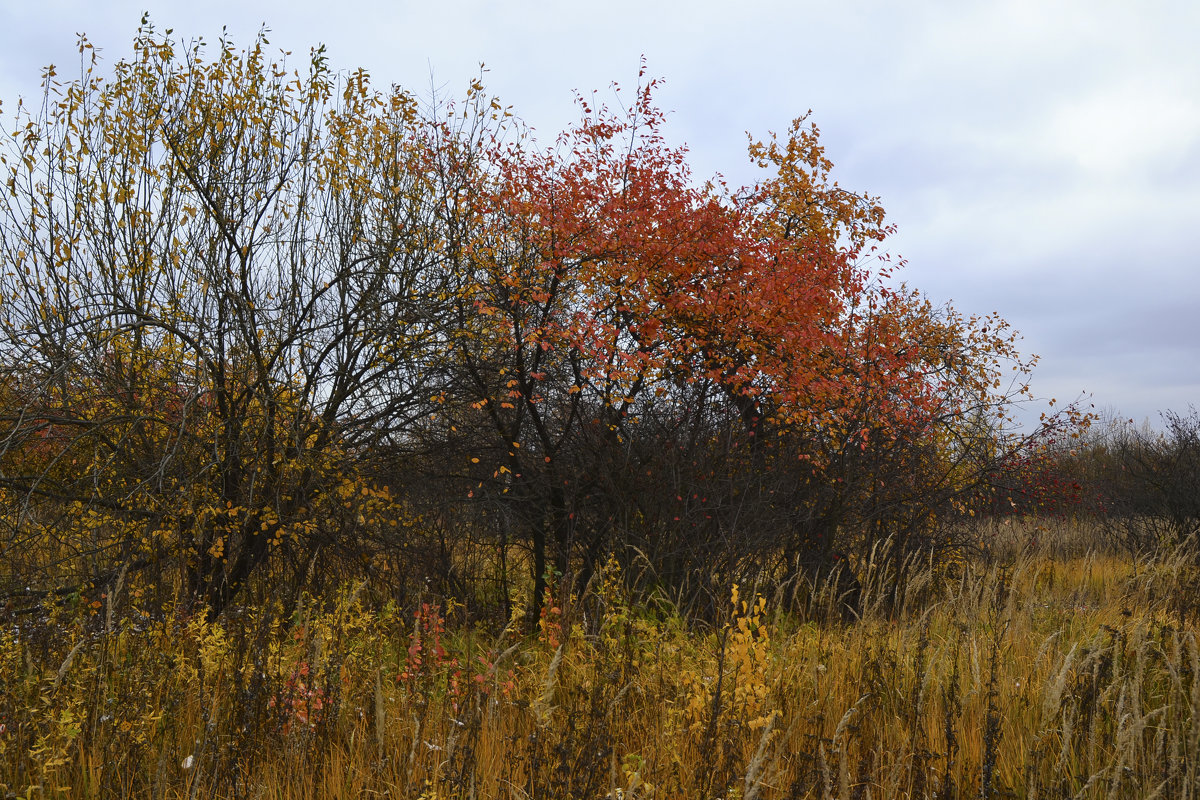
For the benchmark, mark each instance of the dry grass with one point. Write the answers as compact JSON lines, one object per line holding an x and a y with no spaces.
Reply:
{"x":1043,"y":673}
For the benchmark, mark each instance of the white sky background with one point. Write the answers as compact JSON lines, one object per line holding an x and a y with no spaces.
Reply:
{"x":1041,"y":158}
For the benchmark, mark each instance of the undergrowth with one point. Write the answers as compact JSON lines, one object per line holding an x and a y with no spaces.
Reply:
{"x":1036,"y":676}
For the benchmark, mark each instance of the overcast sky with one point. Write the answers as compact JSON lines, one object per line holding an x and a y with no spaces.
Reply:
{"x":1041,"y":159}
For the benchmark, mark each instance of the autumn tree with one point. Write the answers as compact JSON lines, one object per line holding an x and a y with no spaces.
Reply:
{"x":219,"y":295}
{"x":613,"y":315}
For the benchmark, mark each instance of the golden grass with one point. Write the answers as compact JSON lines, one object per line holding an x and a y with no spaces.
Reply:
{"x":1041,"y":676}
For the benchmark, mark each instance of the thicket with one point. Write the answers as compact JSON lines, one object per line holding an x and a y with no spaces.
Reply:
{"x":267,"y":329}
{"x":1147,"y":481}
{"x":1137,"y":485}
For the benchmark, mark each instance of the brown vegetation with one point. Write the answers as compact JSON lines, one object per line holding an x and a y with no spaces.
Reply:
{"x":1063,"y":673}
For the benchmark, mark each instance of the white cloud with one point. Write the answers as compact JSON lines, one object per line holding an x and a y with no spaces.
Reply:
{"x":1126,"y":130}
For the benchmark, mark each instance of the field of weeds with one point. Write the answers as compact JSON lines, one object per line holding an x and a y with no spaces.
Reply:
{"x":1050,"y":671}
